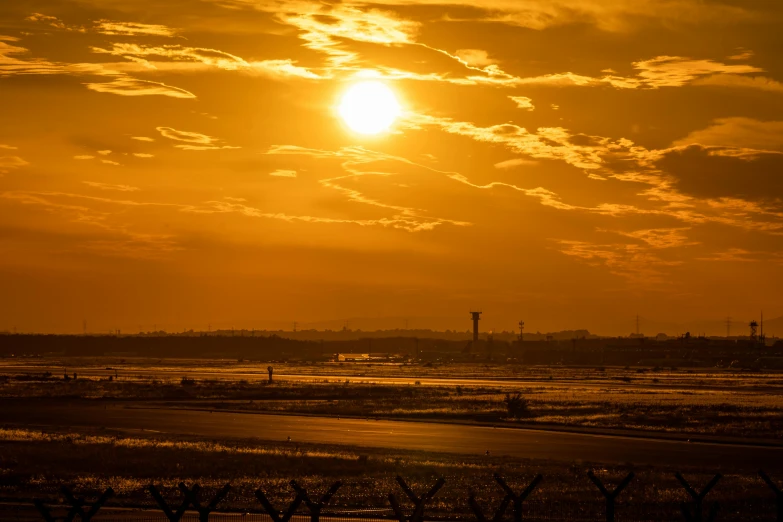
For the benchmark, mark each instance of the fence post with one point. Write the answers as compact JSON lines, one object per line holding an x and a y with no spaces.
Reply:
{"x":278,"y":516}
{"x":45,"y":512}
{"x":610,"y":496}
{"x":778,"y":494}
{"x":164,"y":506}
{"x":699,"y":499}
{"x":203,"y":511}
{"x":316,"y":507}
{"x":418,"y":502}
{"x":499,"y":512}
{"x":520,"y":498}
{"x":77,"y":506}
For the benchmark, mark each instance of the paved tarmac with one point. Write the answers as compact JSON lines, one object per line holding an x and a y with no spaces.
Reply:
{"x":398,"y":435}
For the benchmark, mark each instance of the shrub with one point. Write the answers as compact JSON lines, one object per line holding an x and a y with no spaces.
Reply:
{"x":516,"y":405}
{"x":187,"y":381}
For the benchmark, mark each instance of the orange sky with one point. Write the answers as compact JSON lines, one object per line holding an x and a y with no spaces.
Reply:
{"x":567,"y":162}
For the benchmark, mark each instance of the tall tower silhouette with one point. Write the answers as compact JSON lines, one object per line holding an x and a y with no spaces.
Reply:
{"x":476,"y":318}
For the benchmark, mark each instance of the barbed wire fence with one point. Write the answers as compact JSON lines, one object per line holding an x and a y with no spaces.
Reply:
{"x":195,"y":505}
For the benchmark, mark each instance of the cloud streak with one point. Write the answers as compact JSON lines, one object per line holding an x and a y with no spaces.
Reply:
{"x":134,"y":87}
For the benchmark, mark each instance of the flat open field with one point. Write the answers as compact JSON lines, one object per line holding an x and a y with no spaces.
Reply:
{"x":127,"y":423}
{"x":721,"y":403}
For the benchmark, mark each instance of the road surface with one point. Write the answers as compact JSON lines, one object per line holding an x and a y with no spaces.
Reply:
{"x":398,"y":435}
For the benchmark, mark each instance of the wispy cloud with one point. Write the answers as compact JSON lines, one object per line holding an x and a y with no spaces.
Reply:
{"x":193,"y":140}
{"x":515,"y":162}
{"x":284,"y":173}
{"x":109,"y":186}
{"x":132,"y":29}
{"x":356,"y":161}
{"x":108,"y":27}
{"x":8,"y":163}
{"x":119,"y":238}
{"x":53,"y":21}
{"x":675,"y":71}
{"x":475,"y":57}
{"x":742,"y":54}
{"x":634,"y":263}
{"x":523,"y":102}
{"x":662,"y":237}
{"x":197,"y":58}
{"x":760,"y":83}
{"x":739,"y":132}
{"x":12,"y":65}
{"x":133,"y":87}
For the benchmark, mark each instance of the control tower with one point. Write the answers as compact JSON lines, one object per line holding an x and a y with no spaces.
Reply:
{"x":476,"y":318}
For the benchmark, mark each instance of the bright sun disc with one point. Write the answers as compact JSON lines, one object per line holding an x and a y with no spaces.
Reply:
{"x":369,"y":107}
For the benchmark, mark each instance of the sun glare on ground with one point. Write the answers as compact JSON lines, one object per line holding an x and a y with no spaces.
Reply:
{"x":369,"y":107}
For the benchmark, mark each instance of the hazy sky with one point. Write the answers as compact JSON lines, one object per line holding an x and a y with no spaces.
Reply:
{"x":567,"y":162}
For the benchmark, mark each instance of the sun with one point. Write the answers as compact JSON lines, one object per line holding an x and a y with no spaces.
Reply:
{"x":369,"y":107}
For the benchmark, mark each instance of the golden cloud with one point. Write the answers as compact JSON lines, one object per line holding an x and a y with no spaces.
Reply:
{"x":127,"y":86}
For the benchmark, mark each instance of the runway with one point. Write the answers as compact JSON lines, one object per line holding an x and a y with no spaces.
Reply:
{"x":398,"y":435}
{"x":258,"y":374}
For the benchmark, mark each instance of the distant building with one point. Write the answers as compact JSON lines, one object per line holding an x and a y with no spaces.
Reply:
{"x":352,"y":357}
{"x":367,"y":357}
